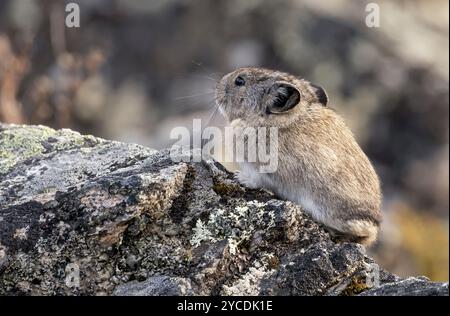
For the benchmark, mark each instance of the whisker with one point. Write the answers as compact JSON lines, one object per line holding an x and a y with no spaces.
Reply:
{"x":218,"y":73}
{"x":208,"y":122}
{"x":205,"y":77}
{"x":193,"y":95}
{"x":199,"y":64}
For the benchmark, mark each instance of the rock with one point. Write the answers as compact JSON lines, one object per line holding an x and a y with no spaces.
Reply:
{"x":156,"y":285}
{"x":410,"y":287}
{"x":83,"y":215}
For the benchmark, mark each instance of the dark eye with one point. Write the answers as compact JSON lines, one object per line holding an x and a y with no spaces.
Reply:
{"x":239,"y":81}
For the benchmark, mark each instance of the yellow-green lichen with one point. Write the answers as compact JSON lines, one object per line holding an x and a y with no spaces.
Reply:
{"x":20,"y":142}
{"x":222,"y":188}
{"x":356,"y":286}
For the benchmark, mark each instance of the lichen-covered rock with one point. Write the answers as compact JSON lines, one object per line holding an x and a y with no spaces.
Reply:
{"x":409,"y":287}
{"x":82,"y":215}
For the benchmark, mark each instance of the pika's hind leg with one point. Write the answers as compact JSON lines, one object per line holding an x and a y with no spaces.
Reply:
{"x":359,"y":231}
{"x":364,"y":230}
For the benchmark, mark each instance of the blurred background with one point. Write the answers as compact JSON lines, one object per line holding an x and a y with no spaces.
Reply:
{"x":136,"y":69}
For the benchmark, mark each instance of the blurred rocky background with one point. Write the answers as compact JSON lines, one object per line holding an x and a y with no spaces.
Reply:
{"x":136,"y":69}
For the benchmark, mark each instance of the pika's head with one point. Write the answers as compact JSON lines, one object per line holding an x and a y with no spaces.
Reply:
{"x":265,"y":97}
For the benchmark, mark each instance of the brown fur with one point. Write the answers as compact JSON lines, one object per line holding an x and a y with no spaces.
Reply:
{"x":320,"y":165}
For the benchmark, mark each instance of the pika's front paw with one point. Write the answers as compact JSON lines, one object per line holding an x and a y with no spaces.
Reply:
{"x":245,"y":180}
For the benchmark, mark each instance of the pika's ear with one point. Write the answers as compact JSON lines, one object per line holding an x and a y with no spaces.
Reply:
{"x":321,"y":95}
{"x":283,"y":98}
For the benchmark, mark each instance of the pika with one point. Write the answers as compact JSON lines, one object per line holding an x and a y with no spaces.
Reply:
{"x":320,"y":165}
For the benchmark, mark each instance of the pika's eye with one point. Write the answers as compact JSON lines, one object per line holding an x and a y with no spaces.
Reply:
{"x":239,"y":81}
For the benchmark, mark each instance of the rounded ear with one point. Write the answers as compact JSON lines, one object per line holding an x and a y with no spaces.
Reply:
{"x":283,"y":98}
{"x":321,"y":95}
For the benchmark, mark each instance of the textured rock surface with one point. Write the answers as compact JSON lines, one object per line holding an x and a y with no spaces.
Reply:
{"x":82,"y":215}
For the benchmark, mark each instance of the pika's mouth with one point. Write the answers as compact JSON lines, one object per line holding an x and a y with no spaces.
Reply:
{"x":220,"y":98}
